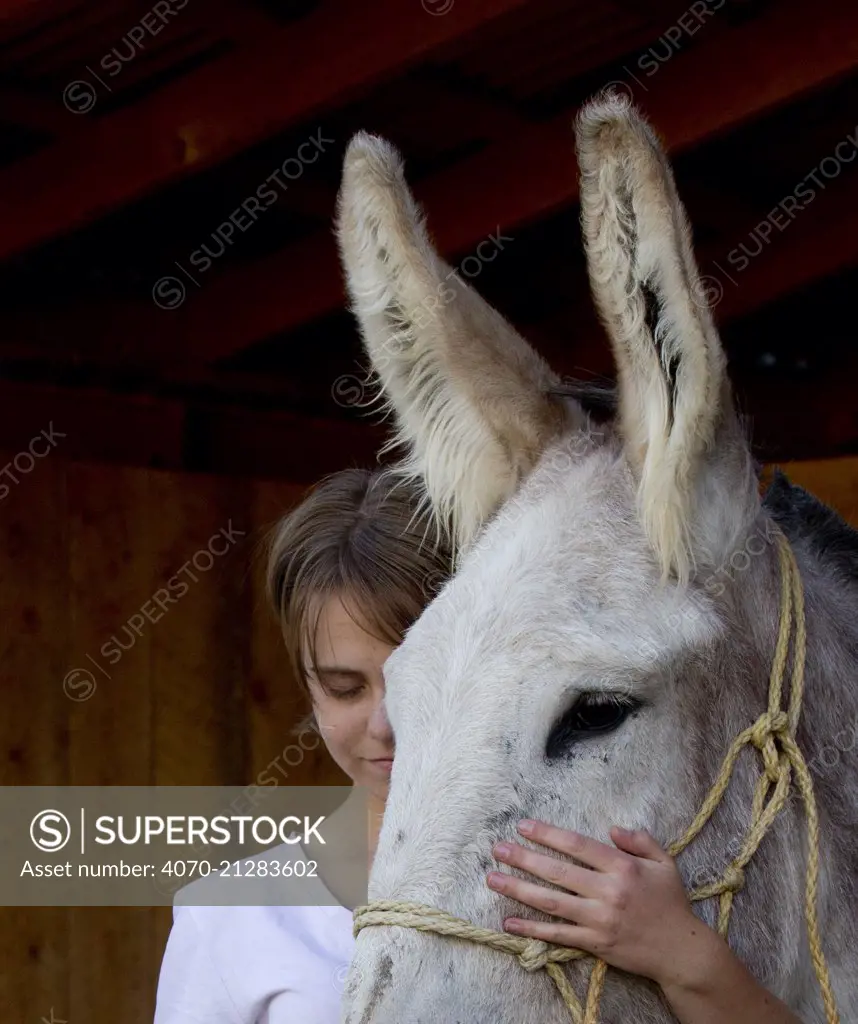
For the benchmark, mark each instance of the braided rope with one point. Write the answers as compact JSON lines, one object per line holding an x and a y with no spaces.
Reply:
{"x":773,"y":735}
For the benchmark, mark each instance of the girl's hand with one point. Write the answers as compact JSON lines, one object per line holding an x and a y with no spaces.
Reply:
{"x":628,"y":905}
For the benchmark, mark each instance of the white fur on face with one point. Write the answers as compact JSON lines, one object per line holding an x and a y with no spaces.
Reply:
{"x":555,"y":599}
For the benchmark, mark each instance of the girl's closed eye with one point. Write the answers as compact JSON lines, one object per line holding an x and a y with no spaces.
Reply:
{"x":342,"y":684}
{"x":352,"y":693}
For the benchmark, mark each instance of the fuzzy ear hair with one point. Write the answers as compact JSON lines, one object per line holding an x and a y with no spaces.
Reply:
{"x":469,"y":395}
{"x":674,"y":393}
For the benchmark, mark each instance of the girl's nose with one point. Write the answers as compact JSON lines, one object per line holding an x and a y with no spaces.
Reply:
{"x":379,"y":725}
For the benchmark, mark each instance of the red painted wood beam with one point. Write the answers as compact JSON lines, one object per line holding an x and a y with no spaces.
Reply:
{"x":800,"y":247}
{"x":224,"y":107}
{"x":732,"y":76}
{"x":32,"y":10}
{"x":789,"y":246}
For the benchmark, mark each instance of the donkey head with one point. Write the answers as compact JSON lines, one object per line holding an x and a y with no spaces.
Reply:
{"x":580,"y":667}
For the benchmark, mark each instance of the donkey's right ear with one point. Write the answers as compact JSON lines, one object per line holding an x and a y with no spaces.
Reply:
{"x":675,"y":407}
{"x":470,"y":397}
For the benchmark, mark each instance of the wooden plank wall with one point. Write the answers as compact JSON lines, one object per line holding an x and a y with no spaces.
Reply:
{"x":201,"y":697}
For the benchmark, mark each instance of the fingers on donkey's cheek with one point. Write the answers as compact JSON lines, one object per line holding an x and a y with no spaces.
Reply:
{"x":498,"y":881}
{"x":505,"y":852}
{"x":515,"y":925}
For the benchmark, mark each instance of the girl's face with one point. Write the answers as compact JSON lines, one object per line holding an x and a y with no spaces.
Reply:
{"x":348,"y":694}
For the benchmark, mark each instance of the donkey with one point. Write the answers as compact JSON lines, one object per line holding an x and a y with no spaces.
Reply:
{"x":613,"y":617}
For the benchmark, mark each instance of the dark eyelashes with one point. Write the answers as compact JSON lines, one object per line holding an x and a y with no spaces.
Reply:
{"x":592,"y":714}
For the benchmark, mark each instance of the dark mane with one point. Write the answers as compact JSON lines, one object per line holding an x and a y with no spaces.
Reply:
{"x":804,"y":517}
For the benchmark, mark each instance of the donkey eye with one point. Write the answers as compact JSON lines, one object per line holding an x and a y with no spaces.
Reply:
{"x":591,"y":714}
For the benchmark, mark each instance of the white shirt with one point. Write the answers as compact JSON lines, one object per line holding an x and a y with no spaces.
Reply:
{"x":255,"y":965}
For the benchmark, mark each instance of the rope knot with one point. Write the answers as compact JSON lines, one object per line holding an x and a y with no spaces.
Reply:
{"x":767,"y":727}
{"x":779,"y":723}
{"x":534,"y":956}
{"x":734,"y":878}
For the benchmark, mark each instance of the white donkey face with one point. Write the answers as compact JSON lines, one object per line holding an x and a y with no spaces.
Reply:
{"x":541,"y":678}
{"x":538,"y":684}
{"x":544,"y":675}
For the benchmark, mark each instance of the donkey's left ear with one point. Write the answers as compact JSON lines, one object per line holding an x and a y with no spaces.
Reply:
{"x":473,"y":401}
{"x":676,"y":413}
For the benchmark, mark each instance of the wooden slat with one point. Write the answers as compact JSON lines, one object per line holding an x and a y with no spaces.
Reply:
{"x":222,"y":108}
{"x":199,"y":641}
{"x":98,"y":425}
{"x":111,"y":577}
{"x":34,"y":595}
{"x":34,"y":592}
{"x":111,"y":742}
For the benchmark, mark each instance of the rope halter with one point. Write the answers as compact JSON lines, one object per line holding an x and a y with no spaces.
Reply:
{"x":773,"y":735}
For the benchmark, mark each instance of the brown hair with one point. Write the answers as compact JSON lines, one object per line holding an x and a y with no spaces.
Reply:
{"x":366,"y":536}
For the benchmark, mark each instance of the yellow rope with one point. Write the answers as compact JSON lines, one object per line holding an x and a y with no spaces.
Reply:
{"x":773,"y":735}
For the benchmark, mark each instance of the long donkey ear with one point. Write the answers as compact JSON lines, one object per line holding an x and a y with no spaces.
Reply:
{"x":675,"y":407}
{"x":469,"y":395}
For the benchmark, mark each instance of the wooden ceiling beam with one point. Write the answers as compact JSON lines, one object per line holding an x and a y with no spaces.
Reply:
{"x":13,"y":11}
{"x":237,"y":21}
{"x":86,"y":425}
{"x":816,"y":242}
{"x":99,"y":426}
{"x":222,"y":108}
{"x":26,"y":107}
{"x":730,"y":78}
{"x":821,"y":240}
{"x":526,"y":176}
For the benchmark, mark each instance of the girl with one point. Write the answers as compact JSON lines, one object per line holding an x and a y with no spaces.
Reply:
{"x":349,"y":571}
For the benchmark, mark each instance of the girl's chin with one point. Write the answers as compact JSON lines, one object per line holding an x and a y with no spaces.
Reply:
{"x":373,"y":776}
